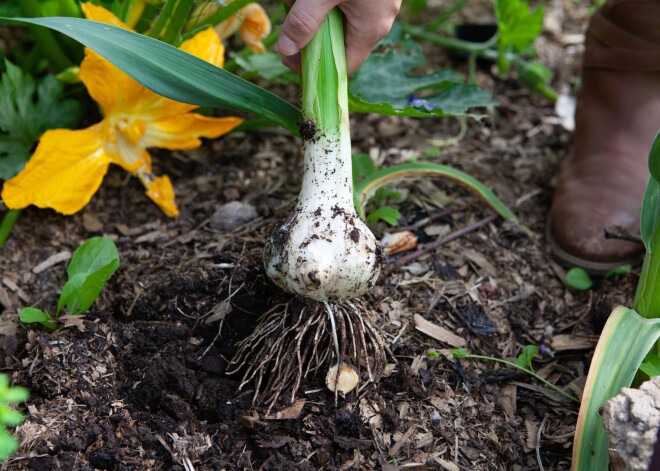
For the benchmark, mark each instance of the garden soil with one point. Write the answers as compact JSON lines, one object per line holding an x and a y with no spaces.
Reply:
{"x":140,"y":383}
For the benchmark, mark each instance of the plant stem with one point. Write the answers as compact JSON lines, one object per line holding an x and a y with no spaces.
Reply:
{"x":177,"y":21}
{"x":162,"y":20}
{"x":324,"y":78}
{"x":7,"y":224}
{"x":445,"y":15}
{"x":525,"y":370}
{"x":647,"y":296}
{"x":327,"y":143}
{"x":467,"y":46}
{"x":44,"y":38}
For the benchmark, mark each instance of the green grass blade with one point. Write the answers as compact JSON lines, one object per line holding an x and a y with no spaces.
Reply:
{"x":623,"y":344}
{"x":170,"y":72}
{"x":368,"y":187}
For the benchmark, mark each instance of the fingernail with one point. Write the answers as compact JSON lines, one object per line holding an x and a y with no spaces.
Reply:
{"x":286,"y":46}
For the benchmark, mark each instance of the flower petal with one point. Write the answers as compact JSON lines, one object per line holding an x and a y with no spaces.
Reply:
{"x":183,"y":132}
{"x":64,"y":173}
{"x":96,"y":13}
{"x":111,"y":88}
{"x":255,"y":26}
{"x":160,"y":190}
{"x":228,"y":27}
{"x":207,"y":46}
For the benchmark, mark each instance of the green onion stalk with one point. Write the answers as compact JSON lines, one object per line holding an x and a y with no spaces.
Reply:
{"x":321,"y":251}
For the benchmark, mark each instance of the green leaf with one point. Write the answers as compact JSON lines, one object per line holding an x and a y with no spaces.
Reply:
{"x":535,"y":76}
{"x":366,"y":189}
{"x":267,"y":65}
{"x":651,"y":365}
{"x":362,"y":165}
{"x":10,"y":8}
{"x":432,"y":354}
{"x":92,"y":264}
{"x":9,"y":416}
{"x":8,"y":444}
{"x":417,"y":6}
{"x":95,"y":253}
{"x":578,"y":279}
{"x":654,"y":158}
{"x":459,"y":352}
{"x":28,"y":110}
{"x":622,"y":270}
{"x":626,"y":339}
{"x":387,"y":214}
{"x":172,"y":73}
{"x":650,"y":219}
{"x":31,"y":315}
{"x":16,"y":394}
{"x":525,"y":358}
{"x":80,"y":292}
{"x":384,"y":84}
{"x":518,"y":28}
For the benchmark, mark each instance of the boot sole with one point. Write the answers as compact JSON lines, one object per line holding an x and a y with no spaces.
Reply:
{"x":569,"y":260}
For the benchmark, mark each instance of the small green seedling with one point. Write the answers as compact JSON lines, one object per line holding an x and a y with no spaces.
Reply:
{"x":92,"y":264}
{"x":9,"y":417}
{"x":523,"y":363}
{"x":577,"y":278}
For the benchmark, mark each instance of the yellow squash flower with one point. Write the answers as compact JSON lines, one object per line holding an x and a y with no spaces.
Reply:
{"x":68,"y":166}
{"x":251,"y":22}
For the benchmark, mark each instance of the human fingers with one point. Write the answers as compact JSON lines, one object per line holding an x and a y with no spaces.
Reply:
{"x":293,"y":62}
{"x":302,"y":22}
{"x":366,"y":22}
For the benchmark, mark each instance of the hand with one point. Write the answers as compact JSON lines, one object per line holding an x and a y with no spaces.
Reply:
{"x":365,"y":23}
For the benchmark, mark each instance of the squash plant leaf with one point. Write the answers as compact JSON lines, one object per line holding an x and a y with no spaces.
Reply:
{"x":31,"y":315}
{"x":518,"y":27}
{"x":28,"y":110}
{"x":267,"y":65}
{"x":92,"y":264}
{"x":390,"y":66}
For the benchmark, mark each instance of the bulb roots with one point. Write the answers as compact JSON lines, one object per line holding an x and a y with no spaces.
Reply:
{"x":294,"y":341}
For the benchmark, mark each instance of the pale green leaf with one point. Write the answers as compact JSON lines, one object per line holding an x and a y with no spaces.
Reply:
{"x":578,"y":279}
{"x":626,"y":339}
{"x":368,"y":187}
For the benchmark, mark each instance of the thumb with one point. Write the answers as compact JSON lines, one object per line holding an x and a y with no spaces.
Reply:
{"x":302,"y":22}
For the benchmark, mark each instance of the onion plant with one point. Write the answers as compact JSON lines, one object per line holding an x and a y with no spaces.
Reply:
{"x":322,"y":250}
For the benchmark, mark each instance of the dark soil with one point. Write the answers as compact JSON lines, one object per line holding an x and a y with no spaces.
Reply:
{"x":139,"y":382}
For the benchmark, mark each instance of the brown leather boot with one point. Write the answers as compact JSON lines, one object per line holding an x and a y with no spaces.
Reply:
{"x":604,"y":175}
